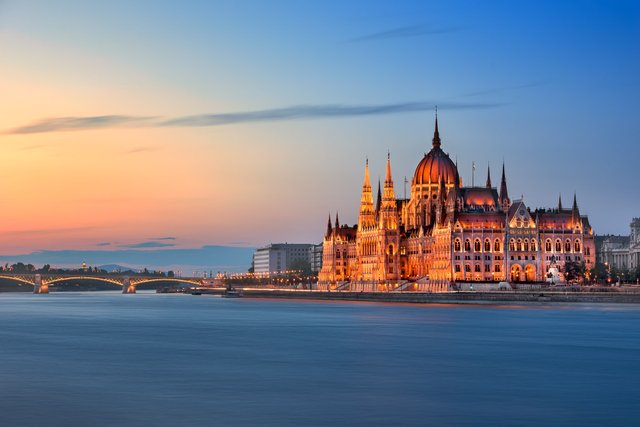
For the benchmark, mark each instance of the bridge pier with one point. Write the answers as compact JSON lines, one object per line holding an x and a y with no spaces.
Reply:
{"x":38,"y":286}
{"x":127,"y":287}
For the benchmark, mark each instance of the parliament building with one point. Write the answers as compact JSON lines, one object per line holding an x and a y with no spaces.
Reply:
{"x":445,"y":233}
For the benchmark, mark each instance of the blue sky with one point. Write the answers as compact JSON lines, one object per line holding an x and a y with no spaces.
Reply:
{"x":551,"y":88}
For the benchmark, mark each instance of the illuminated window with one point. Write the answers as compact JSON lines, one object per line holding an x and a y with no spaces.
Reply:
{"x":457,"y":268}
{"x":526,"y":245}
{"x":487,"y":245}
{"x":477,"y":268}
{"x":457,"y":245}
{"x":547,"y":245}
{"x":519,"y":247}
{"x":576,"y":246}
{"x":476,"y":245}
{"x":567,"y":245}
{"x":533,"y":244}
{"x":496,"y":245}
{"x":512,"y":245}
{"x":558,"y":246}
{"x":497,"y":268}
{"x":467,"y":245}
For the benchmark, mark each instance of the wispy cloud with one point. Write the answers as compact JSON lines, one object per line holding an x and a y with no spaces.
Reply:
{"x":404,"y":32}
{"x":297,"y":112}
{"x":162,"y":238}
{"x":147,"y":245}
{"x":81,"y":123}
{"x":316,"y":112}
{"x":103,"y":244}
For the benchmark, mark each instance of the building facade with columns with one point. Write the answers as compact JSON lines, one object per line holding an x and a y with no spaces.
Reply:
{"x":446,"y":233}
{"x":621,"y":253}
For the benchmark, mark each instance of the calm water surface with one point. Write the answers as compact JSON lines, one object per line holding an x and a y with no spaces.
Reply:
{"x":107,"y":359}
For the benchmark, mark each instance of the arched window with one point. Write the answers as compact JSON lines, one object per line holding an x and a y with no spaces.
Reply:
{"x":526,"y":245}
{"x":512,"y":245}
{"x":533,"y":244}
{"x":487,"y":246}
{"x":547,"y":245}
{"x":456,"y":245}
{"x":558,"y":246}
{"x":467,"y":245}
{"x":476,"y":245}
{"x":338,"y":253}
{"x":587,"y":251}
{"x":576,"y":246}
{"x":496,"y":245}
{"x":519,"y":246}
{"x":567,"y":245}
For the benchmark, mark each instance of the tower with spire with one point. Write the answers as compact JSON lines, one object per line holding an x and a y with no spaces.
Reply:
{"x":366,"y":218}
{"x":504,"y":194}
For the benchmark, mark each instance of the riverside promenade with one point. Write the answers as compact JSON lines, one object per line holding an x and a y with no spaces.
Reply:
{"x":455,"y":297}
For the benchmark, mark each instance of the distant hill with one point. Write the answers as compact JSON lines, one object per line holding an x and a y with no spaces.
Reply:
{"x":110,"y":268}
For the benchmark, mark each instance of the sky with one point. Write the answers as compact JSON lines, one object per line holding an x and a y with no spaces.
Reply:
{"x":150,"y":126}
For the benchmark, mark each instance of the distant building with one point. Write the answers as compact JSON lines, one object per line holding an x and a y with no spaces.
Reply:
{"x":315,"y":258}
{"x":279,"y":257}
{"x":621,"y":253}
{"x":445,"y":233}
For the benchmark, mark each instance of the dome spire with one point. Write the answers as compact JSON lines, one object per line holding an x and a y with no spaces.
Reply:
{"x":436,"y":133}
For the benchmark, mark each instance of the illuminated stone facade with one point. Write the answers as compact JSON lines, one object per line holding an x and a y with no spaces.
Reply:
{"x":446,"y":233}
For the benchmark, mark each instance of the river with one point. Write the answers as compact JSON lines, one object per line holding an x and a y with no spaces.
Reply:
{"x":107,"y":359}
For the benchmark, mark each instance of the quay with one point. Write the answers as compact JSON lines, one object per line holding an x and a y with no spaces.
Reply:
{"x":456,"y":297}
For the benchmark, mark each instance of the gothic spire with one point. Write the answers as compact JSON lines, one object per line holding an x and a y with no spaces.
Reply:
{"x":559,"y":202}
{"x":575,"y":203}
{"x":367,"y":214}
{"x":379,"y":200}
{"x":329,"y":226}
{"x":388,"y":217}
{"x":504,"y":195}
{"x":488,"y":176}
{"x":337,"y":221}
{"x":436,"y":133}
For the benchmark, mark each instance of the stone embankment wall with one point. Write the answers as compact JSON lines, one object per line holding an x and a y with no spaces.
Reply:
{"x":455,"y":297}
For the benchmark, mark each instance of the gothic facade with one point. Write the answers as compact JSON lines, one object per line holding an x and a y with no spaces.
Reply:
{"x":446,"y":233}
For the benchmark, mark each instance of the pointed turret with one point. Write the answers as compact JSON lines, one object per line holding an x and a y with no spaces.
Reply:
{"x":379,"y":199}
{"x":329,"y":229}
{"x":367,"y":214}
{"x":504,"y":194}
{"x":388,"y":217}
{"x":337,"y":221}
{"x":488,"y":177}
{"x":559,"y":202}
{"x":575,"y":213}
{"x":442,"y":190}
{"x":436,"y":133}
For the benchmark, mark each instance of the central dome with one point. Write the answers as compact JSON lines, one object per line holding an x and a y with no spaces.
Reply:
{"x":435,"y":164}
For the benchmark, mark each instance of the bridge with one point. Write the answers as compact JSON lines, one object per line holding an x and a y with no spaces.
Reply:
{"x":41,"y":282}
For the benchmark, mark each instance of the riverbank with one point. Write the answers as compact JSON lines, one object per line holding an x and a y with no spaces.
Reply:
{"x":469,"y":297}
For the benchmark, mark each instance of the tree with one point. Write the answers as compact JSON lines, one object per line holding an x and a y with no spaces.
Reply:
{"x":170,"y":273}
{"x":573,"y":271}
